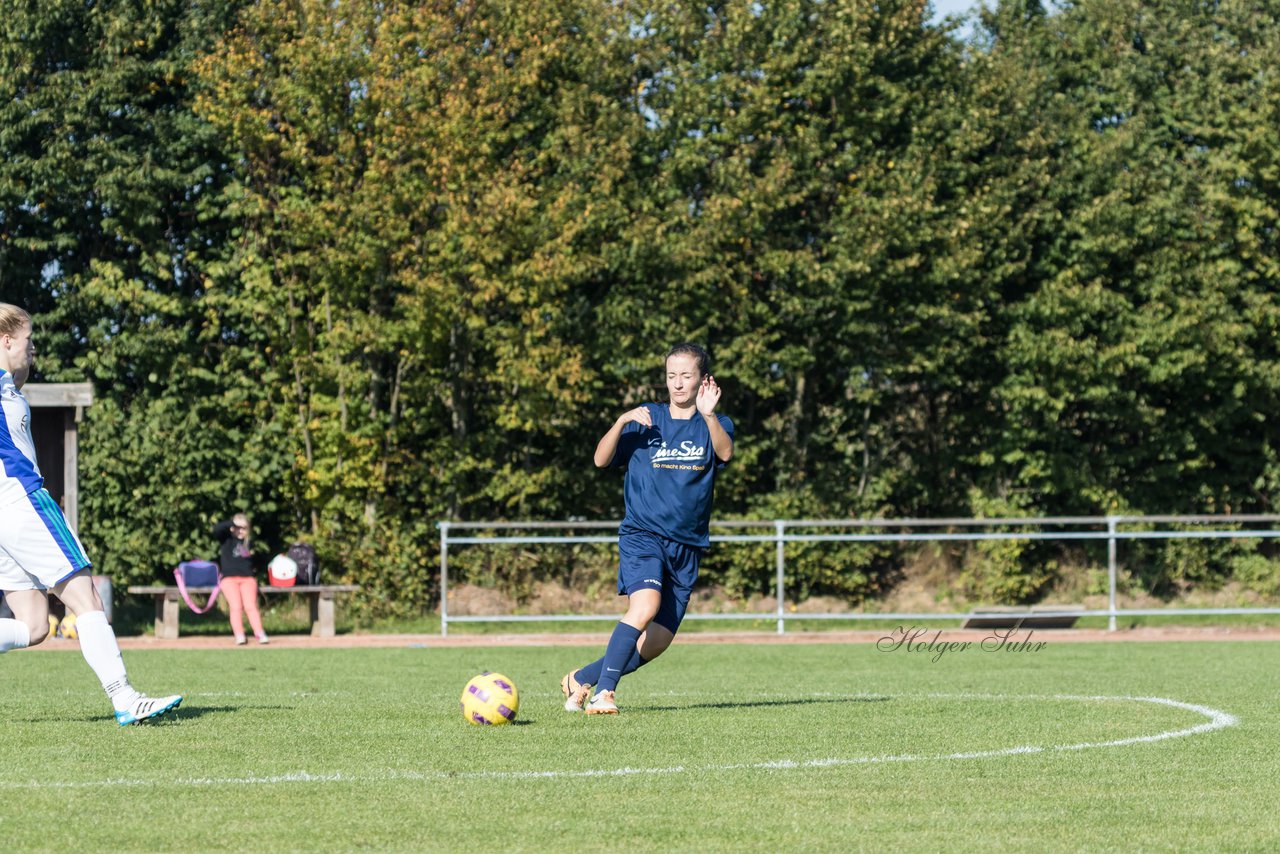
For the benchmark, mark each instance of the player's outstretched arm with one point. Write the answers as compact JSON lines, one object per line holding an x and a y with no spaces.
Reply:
{"x":708,"y":400}
{"x":608,"y":444}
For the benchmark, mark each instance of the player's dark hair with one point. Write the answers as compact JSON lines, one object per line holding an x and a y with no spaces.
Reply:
{"x":693,"y":350}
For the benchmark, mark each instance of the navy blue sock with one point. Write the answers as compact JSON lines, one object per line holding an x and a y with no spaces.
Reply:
{"x":589,"y":674}
{"x":622,"y":645}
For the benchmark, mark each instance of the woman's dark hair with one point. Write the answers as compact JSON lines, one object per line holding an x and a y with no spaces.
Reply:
{"x":697,"y":353}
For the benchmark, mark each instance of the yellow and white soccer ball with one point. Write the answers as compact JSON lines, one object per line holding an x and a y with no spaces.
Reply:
{"x":67,"y":628}
{"x":490,"y":699}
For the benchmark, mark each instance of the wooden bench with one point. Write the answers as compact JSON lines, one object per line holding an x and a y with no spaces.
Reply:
{"x":1023,"y":617}
{"x":169,"y":604}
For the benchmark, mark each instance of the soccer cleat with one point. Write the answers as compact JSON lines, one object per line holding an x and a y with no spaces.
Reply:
{"x":575,"y":693}
{"x":147,"y":708}
{"x":602,"y":704}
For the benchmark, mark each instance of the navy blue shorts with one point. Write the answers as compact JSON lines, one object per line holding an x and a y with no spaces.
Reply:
{"x":649,"y":562}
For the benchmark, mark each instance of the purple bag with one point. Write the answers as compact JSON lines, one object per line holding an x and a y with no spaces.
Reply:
{"x":198,"y":573}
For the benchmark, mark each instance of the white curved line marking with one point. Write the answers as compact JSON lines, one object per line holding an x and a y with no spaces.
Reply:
{"x":1216,"y":720}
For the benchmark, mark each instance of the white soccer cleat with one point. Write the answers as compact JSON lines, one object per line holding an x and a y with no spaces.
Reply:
{"x":575,"y":693}
{"x":147,"y":708}
{"x":602,"y":704}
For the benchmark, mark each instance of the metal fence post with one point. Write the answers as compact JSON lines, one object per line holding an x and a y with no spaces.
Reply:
{"x":1111,"y":572}
{"x":444,"y":579}
{"x":780,"y":528}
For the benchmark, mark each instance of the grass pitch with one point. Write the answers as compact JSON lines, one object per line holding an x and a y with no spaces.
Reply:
{"x":720,"y":747}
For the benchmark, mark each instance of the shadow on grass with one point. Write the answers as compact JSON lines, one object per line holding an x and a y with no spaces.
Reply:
{"x":750,"y":704}
{"x":169,"y":718}
{"x":194,"y":711}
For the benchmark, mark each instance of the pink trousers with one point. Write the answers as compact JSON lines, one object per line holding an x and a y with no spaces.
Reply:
{"x":242,"y":598}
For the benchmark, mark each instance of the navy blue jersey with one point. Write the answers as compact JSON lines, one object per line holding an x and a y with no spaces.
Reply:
{"x":671,"y":469}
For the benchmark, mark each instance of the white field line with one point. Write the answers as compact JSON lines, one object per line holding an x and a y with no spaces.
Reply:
{"x":1215,"y":720}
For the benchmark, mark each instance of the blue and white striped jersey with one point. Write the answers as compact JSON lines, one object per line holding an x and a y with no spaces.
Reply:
{"x":19,"y":474}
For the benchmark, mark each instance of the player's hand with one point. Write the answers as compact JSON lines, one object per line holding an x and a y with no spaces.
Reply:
{"x":708,"y":395}
{"x":640,"y":415}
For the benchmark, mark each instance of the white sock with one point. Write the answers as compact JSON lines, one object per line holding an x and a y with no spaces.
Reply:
{"x":99,"y":648}
{"x":14,"y":634}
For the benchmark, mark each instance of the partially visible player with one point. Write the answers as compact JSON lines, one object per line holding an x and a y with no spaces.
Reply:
{"x":39,"y":552}
{"x":671,"y":452}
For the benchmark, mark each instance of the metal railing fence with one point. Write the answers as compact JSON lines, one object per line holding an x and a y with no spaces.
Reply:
{"x":781,"y":532}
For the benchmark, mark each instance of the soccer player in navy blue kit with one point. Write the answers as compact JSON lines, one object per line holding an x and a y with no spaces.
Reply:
{"x":672,"y":453}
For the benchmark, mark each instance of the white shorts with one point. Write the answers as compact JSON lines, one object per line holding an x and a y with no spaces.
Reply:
{"x":38,"y":550}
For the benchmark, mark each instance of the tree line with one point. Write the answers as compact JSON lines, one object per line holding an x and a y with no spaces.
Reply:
{"x":356,"y":268}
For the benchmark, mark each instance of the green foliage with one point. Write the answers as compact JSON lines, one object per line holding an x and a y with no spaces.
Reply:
{"x":360,"y":267}
{"x":1005,"y":571}
{"x":521,"y":571}
{"x":105,"y":233}
{"x":390,"y":563}
{"x":1170,"y":567}
{"x":852,"y":571}
{"x":1139,"y":329}
{"x":1257,"y":572}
